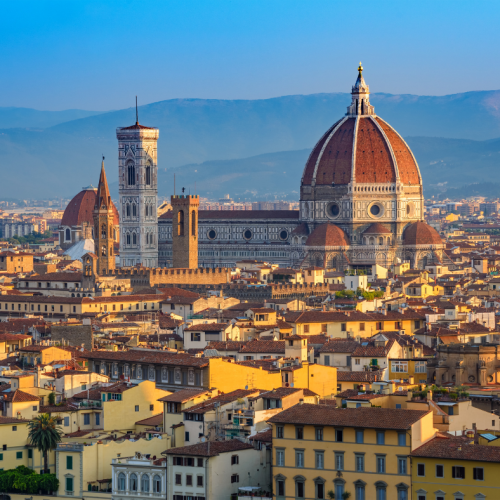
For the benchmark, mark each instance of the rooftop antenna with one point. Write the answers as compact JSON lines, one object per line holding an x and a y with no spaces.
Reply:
{"x":174,"y":184}
{"x":136,"y":112}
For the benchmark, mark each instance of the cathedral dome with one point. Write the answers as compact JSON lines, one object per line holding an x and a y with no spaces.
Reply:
{"x":81,"y":209}
{"x":420,"y":233}
{"x":361,"y":147}
{"x":327,"y":235}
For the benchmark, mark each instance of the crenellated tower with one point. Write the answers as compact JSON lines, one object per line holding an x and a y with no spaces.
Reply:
{"x":103,"y":226}
{"x":138,"y":189}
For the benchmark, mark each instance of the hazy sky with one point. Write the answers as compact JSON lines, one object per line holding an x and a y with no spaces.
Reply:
{"x":99,"y":54}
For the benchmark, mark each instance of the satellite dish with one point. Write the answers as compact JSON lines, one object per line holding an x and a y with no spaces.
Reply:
{"x":246,"y":387}
{"x":291,"y":385}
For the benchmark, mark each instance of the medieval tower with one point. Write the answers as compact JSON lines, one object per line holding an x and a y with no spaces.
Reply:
{"x":138,"y":190}
{"x":185,"y":231}
{"x":103,"y":226}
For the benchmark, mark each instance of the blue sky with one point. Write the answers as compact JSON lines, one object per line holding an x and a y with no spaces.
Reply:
{"x":99,"y":54}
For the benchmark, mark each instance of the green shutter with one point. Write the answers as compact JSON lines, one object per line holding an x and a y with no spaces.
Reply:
{"x":19,"y":454}
{"x":69,"y":462}
{"x":69,"y":484}
{"x":30,"y":453}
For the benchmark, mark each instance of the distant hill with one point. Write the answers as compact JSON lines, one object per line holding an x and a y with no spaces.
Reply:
{"x":32,"y":118}
{"x":60,"y":159}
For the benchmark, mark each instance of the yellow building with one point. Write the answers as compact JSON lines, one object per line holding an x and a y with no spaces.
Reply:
{"x":421,"y":289}
{"x":43,"y":354}
{"x":363,"y":451}
{"x":454,"y":468}
{"x":406,"y":368}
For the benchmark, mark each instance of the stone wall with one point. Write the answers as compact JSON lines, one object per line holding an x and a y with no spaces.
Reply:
{"x":74,"y":335}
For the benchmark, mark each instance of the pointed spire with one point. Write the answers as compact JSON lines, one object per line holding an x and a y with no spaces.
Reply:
{"x":103,"y":198}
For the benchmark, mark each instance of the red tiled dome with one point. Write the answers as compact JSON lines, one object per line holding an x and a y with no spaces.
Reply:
{"x":81,"y":208}
{"x":420,"y":233}
{"x":361,"y":147}
{"x":376,"y":228}
{"x":327,"y":235}
{"x":381,"y":155}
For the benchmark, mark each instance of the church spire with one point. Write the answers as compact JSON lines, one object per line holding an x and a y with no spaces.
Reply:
{"x":360,"y":92}
{"x":103,"y":198}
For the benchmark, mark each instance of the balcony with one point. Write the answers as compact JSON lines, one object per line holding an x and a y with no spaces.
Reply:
{"x":70,"y":447}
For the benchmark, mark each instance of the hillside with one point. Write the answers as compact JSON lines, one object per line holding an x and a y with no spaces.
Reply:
{"x":60,"y":159}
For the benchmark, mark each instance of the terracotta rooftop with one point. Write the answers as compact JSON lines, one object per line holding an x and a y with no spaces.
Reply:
{"x":154,"y":420}
{"x":183,"y":395}
{"x":370,"y":418}
{"x":210,"y":448}
{"x":327,"y":235}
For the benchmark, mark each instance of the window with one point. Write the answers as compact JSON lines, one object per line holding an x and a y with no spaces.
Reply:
{"x":186,"y":436}
{"x":339,"y":435}
{"x":421,"y":470}
{"x":327,"y":360}
{"x":381,"y":490}
{"x":357,"y":361}
{"x":69,"y":462}
{"x":86,"y":419}
{"x":97,"y":419}
{"x":19,"y":454}
{"x":69,"y":485}
{"x":200,"y":462}
{"x":324,"y":328}
{"x":359,"y":489}
{"x":136,"y":407}
{"x":178,"y":479}
{"x":343,"y":327}
{"x":280,"y":458}
{"x":320,"y":460}
{"x":199,"y":481}
{"x":14,"y":427}
{"x":133,"y":482}
{"x":439,"y":470}
{"x":235,"y":460}
{"x":339,"y":461}
{"x":380,"y":437}
{"x":189,"y":480}
{"x":399,"y":366}
{"x":402,"y":493}
{"x":319,"y":434}
{"x":306,"y":328}
{"x":145,"y":483}
{"x":235,"y":478}
{"x":361,"y":327}
{"x":401,"y":439}
{"x":359,"y":436}
{"x":131,"y":174}
{"x":280,"y":487}
{"x":121,"y":481}
{"x":148,"y":175}
{"x":151,"y":407}
{"x":299,"y":458}
{"x":30,"y":453}
{"x":66,"y":421}
{"x":299,"y":489}
{"x":458,"y":472}
{"x":320,"y":489}
{"x":299,"y":432}
{"x":402,"y":469}
{"x":478,"y":473}
{"x":380,"y":464}
{"x":420,"y":366}
{"x":360,"y":462}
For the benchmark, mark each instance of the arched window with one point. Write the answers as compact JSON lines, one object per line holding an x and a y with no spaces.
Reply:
{"x":300,"y":487}
{"x":145,"y":483}
{"x":114,"y":234}
{"x":131,"y":174}
{"x":148,"y":175}
{"x":134,"y":209}
{"x":372,"y":240}
{"x":381,"y":240}
{"x":180,"y":223}
{"x":128,"y":238}
{"x":103,"y":232}
{"x":103,"y":251}
{"x":121,"y":481}
{"x":128,"y":210}
{"x":68,"y":235}
{"x":402,"y":491}
{"x":157,"y":484}
{"x":147,"y":210}
{"x":359,"y":490}
{"x":111,"y":250}
{"x":193,"y":223}
{"x":134,"y":239}
{"x":319,"y":486}
{"x":133,"y":482}
{"x":339,"y":488}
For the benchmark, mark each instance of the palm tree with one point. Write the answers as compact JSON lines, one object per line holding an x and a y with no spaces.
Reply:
{"x":44,"y":433}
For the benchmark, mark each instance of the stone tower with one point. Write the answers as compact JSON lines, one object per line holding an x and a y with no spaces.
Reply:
{"x":137,"y":157}
{"x":185,"y":231}
{"x":90,"y":261}
{"x":103,"y":226}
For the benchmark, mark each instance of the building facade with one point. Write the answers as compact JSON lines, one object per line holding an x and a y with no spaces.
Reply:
{"x":138,"y":190}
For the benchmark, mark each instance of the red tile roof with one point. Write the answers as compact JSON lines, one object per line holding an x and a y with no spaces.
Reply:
{"x":370,"y":418}
{"x":183,"y":395}
{"x":327,"y":235}
{"x":81,"y":209}
{"x":420,"y":233}
{"x":154,"y":420}
{"x":210,"y":448}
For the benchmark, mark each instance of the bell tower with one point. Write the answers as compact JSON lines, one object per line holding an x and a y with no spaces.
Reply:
{"x":103,"y":226}
{"x":138,"y":189}
{"x":185,"y":231}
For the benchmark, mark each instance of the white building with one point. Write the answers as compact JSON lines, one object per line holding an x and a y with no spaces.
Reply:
{"x":138,"y":477}
{"x":215,"y":470}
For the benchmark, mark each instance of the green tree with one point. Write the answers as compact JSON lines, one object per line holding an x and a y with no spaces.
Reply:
{"x":44,"y":433}
{"x":52,"y":399}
